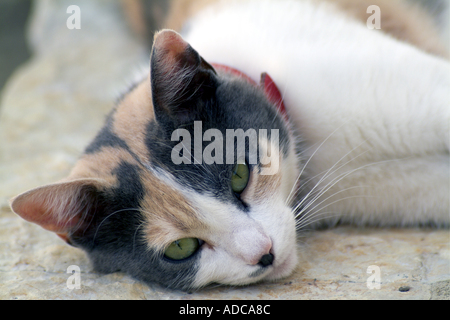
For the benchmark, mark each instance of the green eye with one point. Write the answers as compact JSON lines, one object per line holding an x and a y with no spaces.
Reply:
{"x":182,"y":249}
{"x":239,"y":177}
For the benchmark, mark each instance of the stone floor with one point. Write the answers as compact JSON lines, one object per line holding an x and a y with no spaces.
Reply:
{"x":53,"y":105}
{"x":413,"y":264}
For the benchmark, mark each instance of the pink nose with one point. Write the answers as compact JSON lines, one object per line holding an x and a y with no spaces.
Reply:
{"x":253,"y":246}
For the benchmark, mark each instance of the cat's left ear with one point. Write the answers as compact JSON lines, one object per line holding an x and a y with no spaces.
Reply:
{"x":63,"y":207}
{"x":182,"y":82}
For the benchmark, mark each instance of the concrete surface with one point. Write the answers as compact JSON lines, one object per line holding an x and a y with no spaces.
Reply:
{"x":413,"y":264}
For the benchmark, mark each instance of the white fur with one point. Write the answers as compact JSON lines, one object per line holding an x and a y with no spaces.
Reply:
{"x":240,"y":240}
{"x":378,"y":108}
{"x":235,"y":240}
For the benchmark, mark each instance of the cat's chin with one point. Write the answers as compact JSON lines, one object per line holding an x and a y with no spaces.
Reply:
{"x":279,"y":271}
{"x":284,"y":269}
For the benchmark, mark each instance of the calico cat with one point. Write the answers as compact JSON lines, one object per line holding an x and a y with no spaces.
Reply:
{"x":364,"y":138}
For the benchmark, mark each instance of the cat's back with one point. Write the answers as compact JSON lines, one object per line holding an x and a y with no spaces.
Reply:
{"x":357,"y":95}
{"x":403,"y":20}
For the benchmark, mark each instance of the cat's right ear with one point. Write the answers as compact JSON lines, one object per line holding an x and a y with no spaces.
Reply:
{"x":63,"y":207}
{"x":182,"y":82}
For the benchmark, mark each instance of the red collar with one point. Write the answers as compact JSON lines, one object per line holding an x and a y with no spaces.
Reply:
{"x":266,"y":83}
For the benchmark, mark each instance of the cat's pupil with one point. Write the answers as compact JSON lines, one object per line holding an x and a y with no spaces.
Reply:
{"x":182,"y":248}
{"x":239,"y":178}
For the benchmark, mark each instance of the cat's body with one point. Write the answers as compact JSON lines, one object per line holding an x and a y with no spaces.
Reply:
{"x":353,"y":93}
{"x":367,"y":142}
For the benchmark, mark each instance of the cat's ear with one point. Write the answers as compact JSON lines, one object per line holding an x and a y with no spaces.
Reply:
{"x":272,"y":93}
{"x":61,"y":207}
{"x":181,"y":80}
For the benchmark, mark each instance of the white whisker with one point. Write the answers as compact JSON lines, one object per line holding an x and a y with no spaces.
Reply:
{"x":324,"y":200}
{"x":326,"y":216}
{"x":327,"y":187}
{"x":307,"y":162}
{"x":111,"y":214}
{"x":337,"y":215}
{"x":328,"y":173}
{"x":312,"y":214}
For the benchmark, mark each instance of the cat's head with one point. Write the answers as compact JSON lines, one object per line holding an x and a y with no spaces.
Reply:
{"x":163,"y":195}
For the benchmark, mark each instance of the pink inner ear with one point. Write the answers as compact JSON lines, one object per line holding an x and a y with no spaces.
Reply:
{"x":57,"y":207}
{"x":48,"y":207}
{"x":272,"y":93}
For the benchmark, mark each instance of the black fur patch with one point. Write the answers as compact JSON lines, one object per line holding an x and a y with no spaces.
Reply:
{"x":106,"y":138}
{"x":114,"y":239}
{"x":235,"y":105}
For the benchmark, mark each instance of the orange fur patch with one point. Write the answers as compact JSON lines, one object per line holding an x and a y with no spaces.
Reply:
{"x":169,"y":215}
{"x":182,"y":10}
{"x":402,"y":20}
{"x":131,"y":118}
{"x":260,"y":186}
{"x":265,"y":186}
{"x":99,"y":165}
{"x":133,"y":10}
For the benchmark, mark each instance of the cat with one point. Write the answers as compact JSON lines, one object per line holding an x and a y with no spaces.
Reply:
{"x":361,"y":135}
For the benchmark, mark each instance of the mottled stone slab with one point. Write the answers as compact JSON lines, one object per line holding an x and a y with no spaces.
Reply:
{"x":333,"y":265}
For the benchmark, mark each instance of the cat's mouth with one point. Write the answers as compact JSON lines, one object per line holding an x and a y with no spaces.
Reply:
{"x":282,"y":269}
{"x":277,"y":270}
